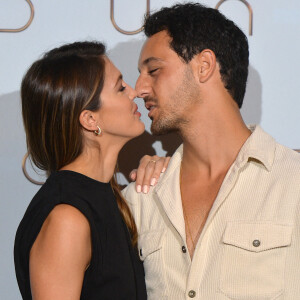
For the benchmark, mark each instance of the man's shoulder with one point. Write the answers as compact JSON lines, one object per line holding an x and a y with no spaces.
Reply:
{"x":132,"y":196}
{"x":286,"y":166}
{"x":135,"y":199}
{"x":278,"y":158}
{"x":287,"y":158}
{"x":130,"y":193}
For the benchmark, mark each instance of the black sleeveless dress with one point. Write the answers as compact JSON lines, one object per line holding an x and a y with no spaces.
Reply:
{"x":115,"y":271}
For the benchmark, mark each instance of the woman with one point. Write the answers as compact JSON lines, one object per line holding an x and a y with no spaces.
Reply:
{"x":77,"y":238}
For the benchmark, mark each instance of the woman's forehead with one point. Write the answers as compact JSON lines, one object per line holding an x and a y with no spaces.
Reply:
{"x":112,"y":73}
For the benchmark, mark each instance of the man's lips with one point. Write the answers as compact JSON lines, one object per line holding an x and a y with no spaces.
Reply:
{"x":151,"y":106}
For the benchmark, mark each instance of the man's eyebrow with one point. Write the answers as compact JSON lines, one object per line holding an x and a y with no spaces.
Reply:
{"x":119,"y":78}
{"x":148,"y":60}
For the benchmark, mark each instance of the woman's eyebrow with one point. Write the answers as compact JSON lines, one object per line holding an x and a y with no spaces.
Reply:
{"x":119,"y":78}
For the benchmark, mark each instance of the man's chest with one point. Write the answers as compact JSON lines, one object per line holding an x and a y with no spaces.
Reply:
{"x":244,"y":244}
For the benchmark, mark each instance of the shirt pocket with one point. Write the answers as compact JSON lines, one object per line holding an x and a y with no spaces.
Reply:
{"x":253,"y":261}
{"x":150,"y":246}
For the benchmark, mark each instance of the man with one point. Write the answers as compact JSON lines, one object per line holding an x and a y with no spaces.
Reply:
{"x":223,"y":222}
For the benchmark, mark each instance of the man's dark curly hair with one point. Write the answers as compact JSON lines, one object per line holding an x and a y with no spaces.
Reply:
{"x":193,"y":28}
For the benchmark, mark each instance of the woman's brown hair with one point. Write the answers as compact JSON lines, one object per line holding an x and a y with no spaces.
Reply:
{"x":54,"y":91}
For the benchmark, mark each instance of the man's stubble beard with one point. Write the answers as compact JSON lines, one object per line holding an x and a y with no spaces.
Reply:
{"x":165,"y":123}
{"x":172,"y":120}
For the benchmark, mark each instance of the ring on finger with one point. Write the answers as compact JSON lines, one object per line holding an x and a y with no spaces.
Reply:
{"x":152,"y":160}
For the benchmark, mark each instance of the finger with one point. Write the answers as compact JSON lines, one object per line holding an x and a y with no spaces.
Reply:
{"x":166,"y":163}
{"x":141,"y":172}
{"x":148,"y":175}
{"x":132,"y":174}
{"x":159,"y":165}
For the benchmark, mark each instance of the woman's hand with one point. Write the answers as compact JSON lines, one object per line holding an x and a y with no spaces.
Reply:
{"x":148,"y":172}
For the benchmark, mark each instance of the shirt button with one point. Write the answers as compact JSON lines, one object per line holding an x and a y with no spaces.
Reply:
{"x":256,"y":243}
{"x":192,"y":294}
{"x":183,"y":249}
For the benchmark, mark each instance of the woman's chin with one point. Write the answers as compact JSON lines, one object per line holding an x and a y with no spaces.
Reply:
{"x":139,"y":130}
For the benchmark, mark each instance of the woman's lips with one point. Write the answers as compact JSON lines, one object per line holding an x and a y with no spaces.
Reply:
{"x":136,"y":112}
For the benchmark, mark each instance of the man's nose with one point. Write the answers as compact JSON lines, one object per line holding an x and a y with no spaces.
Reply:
{"x":142,"y":87}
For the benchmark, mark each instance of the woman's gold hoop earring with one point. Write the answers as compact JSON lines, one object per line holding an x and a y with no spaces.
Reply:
{"x":98,"y":132}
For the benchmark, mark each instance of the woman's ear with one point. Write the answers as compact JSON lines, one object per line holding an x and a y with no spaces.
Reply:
{"x":205,"y":63}
{"x":88,"y":121}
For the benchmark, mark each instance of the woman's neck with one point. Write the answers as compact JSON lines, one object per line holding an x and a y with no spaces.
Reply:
{"x":98,"y":164}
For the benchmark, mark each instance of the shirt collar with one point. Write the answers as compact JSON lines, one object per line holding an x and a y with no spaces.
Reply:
{"x":259,"y":146}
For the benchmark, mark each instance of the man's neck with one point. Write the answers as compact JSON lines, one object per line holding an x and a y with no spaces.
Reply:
{"x":212,"y":145}
{"x":212,"y":140}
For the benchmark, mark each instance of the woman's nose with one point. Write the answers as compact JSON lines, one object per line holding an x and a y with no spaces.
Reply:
{"x":132,"y":93}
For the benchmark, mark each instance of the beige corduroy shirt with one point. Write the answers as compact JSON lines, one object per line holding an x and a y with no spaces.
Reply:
{"x":249,"y":248}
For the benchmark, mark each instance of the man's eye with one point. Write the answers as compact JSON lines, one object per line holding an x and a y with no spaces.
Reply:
{"x":122,"y":88}
{"x":152,"y":71}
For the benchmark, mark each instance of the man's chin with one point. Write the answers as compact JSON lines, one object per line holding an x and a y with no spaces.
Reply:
{"x":157,"y":129}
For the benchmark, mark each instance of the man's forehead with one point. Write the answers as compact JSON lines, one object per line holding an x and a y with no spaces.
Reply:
{"x":155,"y":48}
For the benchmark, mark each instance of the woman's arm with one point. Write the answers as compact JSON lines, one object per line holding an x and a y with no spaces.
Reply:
{"x":60,"y":255}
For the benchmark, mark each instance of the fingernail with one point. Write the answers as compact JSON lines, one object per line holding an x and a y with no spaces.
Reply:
{"x":153,"y":181}
{"x":163,"y":170}
{"x":138,"y":188}
{"x":145,"y":189}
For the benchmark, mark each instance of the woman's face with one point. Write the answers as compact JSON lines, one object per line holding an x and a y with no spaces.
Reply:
{"x":118,"y":112}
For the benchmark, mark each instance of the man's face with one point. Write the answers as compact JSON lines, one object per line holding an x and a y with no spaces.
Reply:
{"x":166,"y":83}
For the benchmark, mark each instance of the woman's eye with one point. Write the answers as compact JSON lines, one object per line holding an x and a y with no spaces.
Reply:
{"x":122,"y":88}
{"x":152,"y":71}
